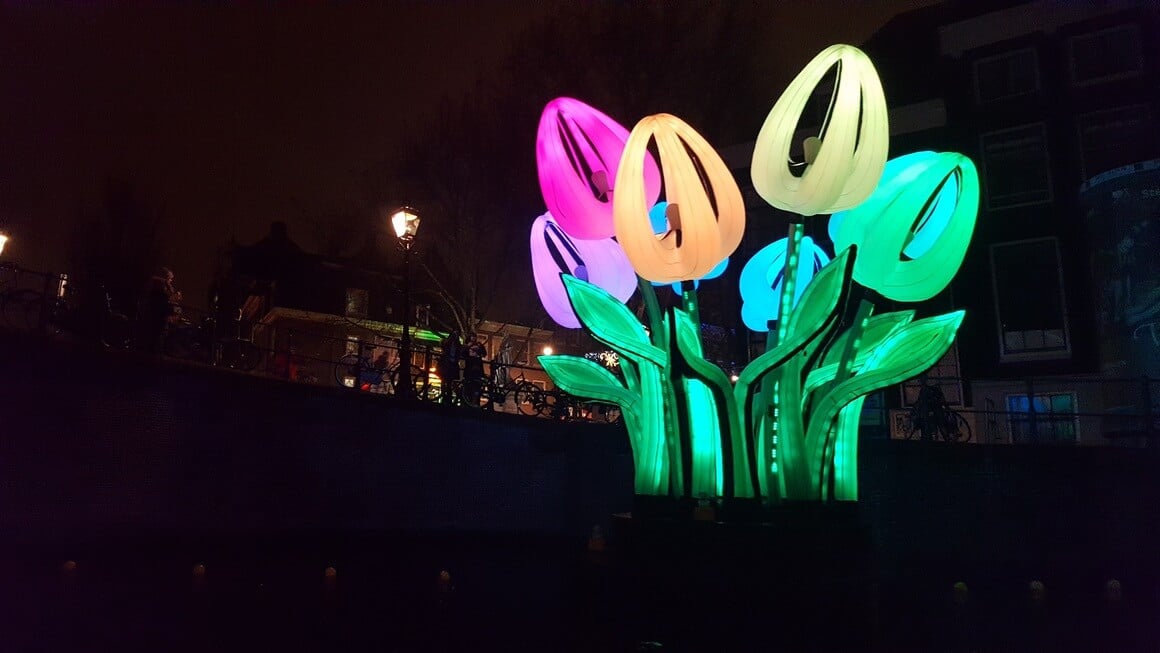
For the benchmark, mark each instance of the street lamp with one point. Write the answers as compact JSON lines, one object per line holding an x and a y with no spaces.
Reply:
{"x":405,"y":222}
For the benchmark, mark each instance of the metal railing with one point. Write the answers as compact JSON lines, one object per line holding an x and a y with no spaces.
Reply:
{"x":1060,"y":409}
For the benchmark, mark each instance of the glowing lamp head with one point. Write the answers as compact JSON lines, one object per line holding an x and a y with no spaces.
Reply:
{"x":548,"y":351}
{"x":3,"y":240}
{"x":405,"y":222}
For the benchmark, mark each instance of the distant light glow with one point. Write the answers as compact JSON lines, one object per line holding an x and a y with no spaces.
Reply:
{"x":405,"y":222}
{"x":547,"y":351}
{"x":3,"y":241}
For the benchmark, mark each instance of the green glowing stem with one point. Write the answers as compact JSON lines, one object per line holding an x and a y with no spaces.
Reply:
{"x":691,"y":304}
{"x":675,"y":436}
{"x":662,"y":423}
{"x":789,"y":451}
{"x":652,"y":310}
{"x":841,"y":433}
{"x":704,"y":428}
{"x":656,"y":451}
{"x":720,"y":450}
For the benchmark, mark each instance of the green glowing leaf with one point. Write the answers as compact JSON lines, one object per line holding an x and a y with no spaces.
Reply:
{"x":714,"y":381}
{"x":581,"y":377}
{"x":845,"y":438}
{"x":909,"y":350}
{"x":814,"y":313}
{"x":610,"y":321}
{"x":821,"y":299}
{"x":877,"y":329}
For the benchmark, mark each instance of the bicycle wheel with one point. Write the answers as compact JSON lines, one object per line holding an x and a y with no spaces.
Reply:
{"x":475,"y":393}
{"x":346,"y":372}
{"x":115,"y":331}
{"x":904,"y":426}
{"x":551,"y":404}
{"x":956,"y":428}
{"x":528,"y":398}
{"x":421,"y":383}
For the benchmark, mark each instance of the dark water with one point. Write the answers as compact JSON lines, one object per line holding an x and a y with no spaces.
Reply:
{"x":527,"y":593}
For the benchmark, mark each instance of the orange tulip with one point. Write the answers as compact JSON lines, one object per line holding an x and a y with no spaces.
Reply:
{"x":706,"y":214}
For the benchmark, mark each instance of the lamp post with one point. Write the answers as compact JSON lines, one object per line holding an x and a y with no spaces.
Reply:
{"x":405,"y":222}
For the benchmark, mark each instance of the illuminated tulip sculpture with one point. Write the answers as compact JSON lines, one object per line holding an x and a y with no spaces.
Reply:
{"x":787,"y":426}
{"x":578,"y":149}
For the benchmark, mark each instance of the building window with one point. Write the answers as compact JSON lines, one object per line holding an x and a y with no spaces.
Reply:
{"x":1027,"y":279}
{"x":944,"y":374}
{"x":356,"y":302}
{"x":1106,"y":55}
{"x":1114,"y":138}
{"x":423,"y":316}
{"x":1054,"y":419}
{"x":352,"y":345}
{"x":1016,"y":166}
{"x":519,"y":351}
{"x":1007,"y":75}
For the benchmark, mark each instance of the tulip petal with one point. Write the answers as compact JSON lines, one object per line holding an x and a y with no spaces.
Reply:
{"x":600,"y":262}
{"x":573,"y":143}
{"x":854,"y":138}
{"x":762,"y":278}
{"x":914,"y":230}
{"x":660,"y":225}
{"x":705,"y":212}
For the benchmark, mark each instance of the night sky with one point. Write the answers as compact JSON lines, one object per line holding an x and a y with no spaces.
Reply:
{"x":230,"y":118}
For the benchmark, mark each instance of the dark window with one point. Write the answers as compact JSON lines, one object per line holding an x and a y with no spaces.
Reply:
{"x":1029,"y":302}
{"x":1106,"y":55}
{"x":1016,"y":167}
{"x":1114,"y":138}
{"x":1054,"y":419}
{"x":356,"y":302}
{"x":1007,"y":75}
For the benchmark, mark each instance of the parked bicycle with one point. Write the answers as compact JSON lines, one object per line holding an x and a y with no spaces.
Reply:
{"x":204,"y":341}
{"x":48,"y":306}
{"x":362,"y":372}
{"x":931,"y":417}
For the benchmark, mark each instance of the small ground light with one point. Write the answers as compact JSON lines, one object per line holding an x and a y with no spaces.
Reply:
{"x":1037,"y":590}
{"x":1112,"y":590}
{"x":547,"y":350}
{"x":961,"y":592}
{"x":733,"y":378}
{"x":596,"y":540}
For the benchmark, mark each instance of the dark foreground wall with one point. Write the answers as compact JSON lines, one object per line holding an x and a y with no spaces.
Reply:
{"x":94,"y":441}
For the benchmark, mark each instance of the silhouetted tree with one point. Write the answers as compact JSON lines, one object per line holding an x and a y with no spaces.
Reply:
{"x":118,"y":244}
